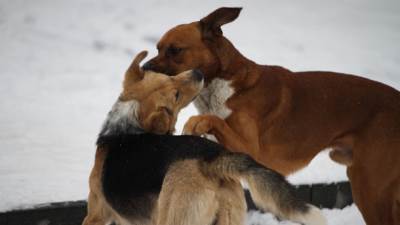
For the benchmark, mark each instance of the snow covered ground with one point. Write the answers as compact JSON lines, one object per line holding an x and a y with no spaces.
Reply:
{"x":347,"y":216}
{"x":61,"y":66}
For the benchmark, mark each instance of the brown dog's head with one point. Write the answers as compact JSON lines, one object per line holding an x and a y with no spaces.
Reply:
{"x":197,"y":45}
{"x":159,"y":97}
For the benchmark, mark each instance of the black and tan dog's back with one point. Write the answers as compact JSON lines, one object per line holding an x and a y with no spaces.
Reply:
{"x":143,"y":176}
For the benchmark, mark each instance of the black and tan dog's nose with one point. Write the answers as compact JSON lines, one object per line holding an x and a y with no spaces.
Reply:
{"x":197,"y":75}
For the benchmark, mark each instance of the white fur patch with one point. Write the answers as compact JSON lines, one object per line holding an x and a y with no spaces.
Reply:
{"x":211,"y":137}
{"x":122,"y":117}
{"x":212,"y":98}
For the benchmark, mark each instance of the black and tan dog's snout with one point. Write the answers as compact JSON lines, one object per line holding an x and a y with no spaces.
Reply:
{"x":197,"y":75}
{"x":194,"y":75}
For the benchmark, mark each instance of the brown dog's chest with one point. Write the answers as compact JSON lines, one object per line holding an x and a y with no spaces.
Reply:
{"x":212,"y":99}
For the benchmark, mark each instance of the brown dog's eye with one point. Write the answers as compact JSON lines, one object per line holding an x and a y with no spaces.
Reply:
{"x":172,"y":51}
{"x":177,"y":94}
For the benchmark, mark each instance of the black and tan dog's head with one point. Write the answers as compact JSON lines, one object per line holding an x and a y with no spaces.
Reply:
{"x":196,"y":45}
{"x":158,"y":98}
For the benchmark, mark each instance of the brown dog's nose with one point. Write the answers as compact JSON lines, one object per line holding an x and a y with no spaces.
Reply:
{"x":197,"y":75}
{"x":148,"y":66}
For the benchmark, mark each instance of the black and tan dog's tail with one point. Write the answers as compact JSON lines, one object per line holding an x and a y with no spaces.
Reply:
{"x":269,"y":190}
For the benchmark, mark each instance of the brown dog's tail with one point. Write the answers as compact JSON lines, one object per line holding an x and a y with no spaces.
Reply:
{"x":269,"y":189}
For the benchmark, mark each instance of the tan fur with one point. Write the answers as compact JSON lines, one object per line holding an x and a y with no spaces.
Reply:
{"x":99,"y":212}
{"x":192,"y":198}
{"x":156,"y":93}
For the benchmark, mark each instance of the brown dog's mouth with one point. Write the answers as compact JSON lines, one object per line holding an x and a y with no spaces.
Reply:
{"x":150,"y":66}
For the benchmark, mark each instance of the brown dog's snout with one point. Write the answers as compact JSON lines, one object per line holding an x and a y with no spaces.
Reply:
{"x":197,"y":75}
{"x":157,"y":64}
{"x":149,"y":65}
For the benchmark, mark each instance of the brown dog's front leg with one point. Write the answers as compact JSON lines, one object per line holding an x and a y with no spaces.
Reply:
{"x":210,"y":124}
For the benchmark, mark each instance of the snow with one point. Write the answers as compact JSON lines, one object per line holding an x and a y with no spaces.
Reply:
{"x":347,"y":216}
{"x":320,"y":170}
{"x":61,"y":67}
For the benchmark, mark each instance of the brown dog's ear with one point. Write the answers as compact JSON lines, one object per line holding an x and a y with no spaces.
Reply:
{"x":211,"y":24}
{"x":134,"y":72}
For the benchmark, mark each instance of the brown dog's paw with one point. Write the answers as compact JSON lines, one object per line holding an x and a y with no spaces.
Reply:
{"x":198,"y":125}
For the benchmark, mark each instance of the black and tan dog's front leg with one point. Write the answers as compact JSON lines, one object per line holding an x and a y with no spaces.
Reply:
{"x":224,"y":133}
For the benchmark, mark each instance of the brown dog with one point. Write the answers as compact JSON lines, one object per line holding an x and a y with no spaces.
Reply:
{"x":283,"y":118}
{"x":143,"y":176}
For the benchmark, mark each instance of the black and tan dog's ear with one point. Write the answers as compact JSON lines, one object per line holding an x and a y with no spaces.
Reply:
{"x":134,"y":72}
{"x":211,"y":24}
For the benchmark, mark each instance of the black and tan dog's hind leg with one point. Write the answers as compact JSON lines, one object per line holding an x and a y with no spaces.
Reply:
{"x":98,"y":211}
{"x":232,"y":204}
{"x":188,"y":197}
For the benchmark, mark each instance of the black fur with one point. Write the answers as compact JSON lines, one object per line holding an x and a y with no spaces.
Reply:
{"x":136,"y":164}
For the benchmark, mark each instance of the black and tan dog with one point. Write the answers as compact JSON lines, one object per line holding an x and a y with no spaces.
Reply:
{"x":142,"y":176}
